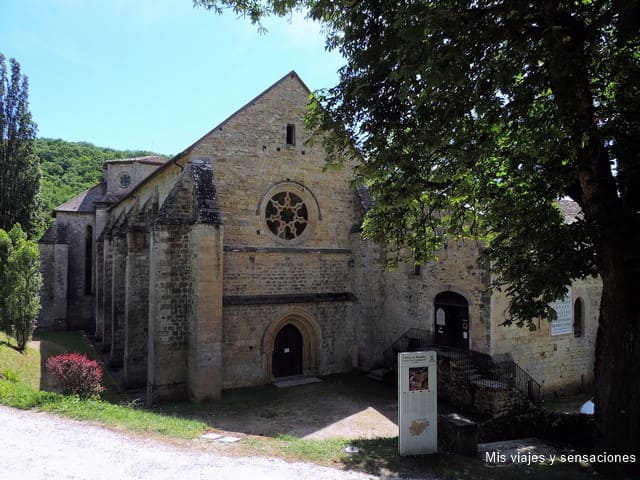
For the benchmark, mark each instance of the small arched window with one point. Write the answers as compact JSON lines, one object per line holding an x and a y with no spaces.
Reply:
{"x":578,"y":318}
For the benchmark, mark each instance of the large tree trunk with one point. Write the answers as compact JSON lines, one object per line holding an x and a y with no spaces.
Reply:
{"x":615,"y":236}
{"x":617,"y":367}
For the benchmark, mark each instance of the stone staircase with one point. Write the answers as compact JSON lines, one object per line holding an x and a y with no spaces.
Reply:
{"x":469,"y":380}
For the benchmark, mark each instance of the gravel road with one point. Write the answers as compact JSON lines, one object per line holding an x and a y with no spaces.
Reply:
{"x":36,"y":445}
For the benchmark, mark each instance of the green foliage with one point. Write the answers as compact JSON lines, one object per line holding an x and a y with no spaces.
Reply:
{"x":21,"y":283}
{"x":470,"y":120}
{"x":9,"y":375}
{"x":5,"y":250}
{"x":69,"y":168}
{"x":20,"y":395}
{"x":24,"y":365}
{"x":19,"y":171}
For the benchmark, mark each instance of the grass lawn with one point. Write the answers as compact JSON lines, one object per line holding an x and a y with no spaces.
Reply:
{"x":21,"y":388}
{"x":55,"y":343}
{"x":25,"y":366}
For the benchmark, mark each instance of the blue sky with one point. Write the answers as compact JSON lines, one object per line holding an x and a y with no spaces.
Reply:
{"x":150,"y":74}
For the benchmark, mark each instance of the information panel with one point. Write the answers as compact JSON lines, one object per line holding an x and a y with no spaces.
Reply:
{"x":417,"y":403}
{"x":564,"y":308}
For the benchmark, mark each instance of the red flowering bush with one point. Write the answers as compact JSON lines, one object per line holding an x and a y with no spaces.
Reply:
{"x":76,"y":374}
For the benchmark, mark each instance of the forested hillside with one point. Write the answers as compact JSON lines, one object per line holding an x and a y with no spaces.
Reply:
{"x":69,"y":168}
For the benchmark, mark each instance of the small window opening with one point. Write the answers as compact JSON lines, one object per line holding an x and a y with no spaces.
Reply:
{"x":417,"y":269}
{"x":88,"y":260}
{"x":291,"y":134}
{"x":577,"y":318}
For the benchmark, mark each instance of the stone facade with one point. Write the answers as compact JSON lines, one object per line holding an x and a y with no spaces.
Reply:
{"x":240,"y":260}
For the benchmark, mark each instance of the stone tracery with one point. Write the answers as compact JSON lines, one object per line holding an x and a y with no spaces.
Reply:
{"x":286,"y":215}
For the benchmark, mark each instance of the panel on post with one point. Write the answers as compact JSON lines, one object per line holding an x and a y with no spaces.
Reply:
{"x":417,"y":403}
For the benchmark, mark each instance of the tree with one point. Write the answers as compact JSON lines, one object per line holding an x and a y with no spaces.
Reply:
{"x":5,"y":250}
{"x":21,"y":283}
{"x":472,"y":119}
{"x":19,"y":169}
{"x":69,"y":168}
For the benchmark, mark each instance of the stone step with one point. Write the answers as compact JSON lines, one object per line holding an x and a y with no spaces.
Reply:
{"x":469,"y":369}
{"x":377,"y":374}
{"x":485,"y":382}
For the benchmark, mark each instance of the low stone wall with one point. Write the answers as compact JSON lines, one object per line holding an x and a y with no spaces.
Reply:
{"x":476,"y":395}
{"x":574,"y":428}
{"x":457,"y":434}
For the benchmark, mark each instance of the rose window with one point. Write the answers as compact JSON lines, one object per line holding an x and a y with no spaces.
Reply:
{"x":286,"y":215}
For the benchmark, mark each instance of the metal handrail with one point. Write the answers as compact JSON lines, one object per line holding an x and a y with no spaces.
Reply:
{"x":497,"y":373}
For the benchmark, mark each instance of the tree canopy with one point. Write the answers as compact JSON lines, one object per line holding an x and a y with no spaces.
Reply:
{"x":20,"y":283}
{"x":69,"y":168}
{"x":19,"y":171}
{"x":472,"y":119}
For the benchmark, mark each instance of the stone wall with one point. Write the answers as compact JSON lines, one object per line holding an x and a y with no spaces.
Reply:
{"x":54,"y":258}
{"x":246,"y":357}
{"x":80,"y":307}
{"x":266,"y":277}
{"x":136,"y":321}
{"x":118,"y":298}
{"x":409,"y":298}
{"x":107,"y":291}
{"x":369,"y":288}
{"x":560,"y":363}
{"x":137,"y":171}
{"x":204,"y":361}
{"x":170,"y":302}
{"x":274,"y":272}
{"x":480,"y":396}
{"x":250,"y":155}
{"x":575,"y":429}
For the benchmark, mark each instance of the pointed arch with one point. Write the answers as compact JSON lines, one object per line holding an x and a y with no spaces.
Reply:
{"x":311,"y":340}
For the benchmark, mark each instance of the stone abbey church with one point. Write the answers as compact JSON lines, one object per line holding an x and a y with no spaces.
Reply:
{"x":240,"y":260}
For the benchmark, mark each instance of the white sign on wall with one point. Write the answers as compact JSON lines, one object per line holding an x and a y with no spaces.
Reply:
{"x":417,"y":403}
{"x":564,"y":308}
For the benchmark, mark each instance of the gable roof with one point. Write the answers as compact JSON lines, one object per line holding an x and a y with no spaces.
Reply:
{"x":173,"y":161}
{"x":147,"y":159}
{"x":292,"y":74}
{"x":85,"y":202}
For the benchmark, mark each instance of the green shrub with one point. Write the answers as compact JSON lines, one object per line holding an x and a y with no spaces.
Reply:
{"x":8,"y":374}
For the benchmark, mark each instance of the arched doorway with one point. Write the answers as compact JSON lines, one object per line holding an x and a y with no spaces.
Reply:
{"x":297,"y":330}
{"x":451,"y":320}
{"x":287,"y":352}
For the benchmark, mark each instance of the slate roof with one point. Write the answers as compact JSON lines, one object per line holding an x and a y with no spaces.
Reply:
{"x":570,"y":209}
{"x":85,"y":202}
{"x":365,"y":197}
{"x":55,"y":234}
{"x":149,"y":160}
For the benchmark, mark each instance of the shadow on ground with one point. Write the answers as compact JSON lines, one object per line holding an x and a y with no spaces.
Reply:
{"x":341,"y":406}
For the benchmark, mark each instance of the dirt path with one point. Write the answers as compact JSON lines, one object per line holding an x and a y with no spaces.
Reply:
{"x":40,"y":446}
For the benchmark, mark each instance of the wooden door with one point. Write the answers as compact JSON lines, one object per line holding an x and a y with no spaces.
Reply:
{"x":287,"y":352}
